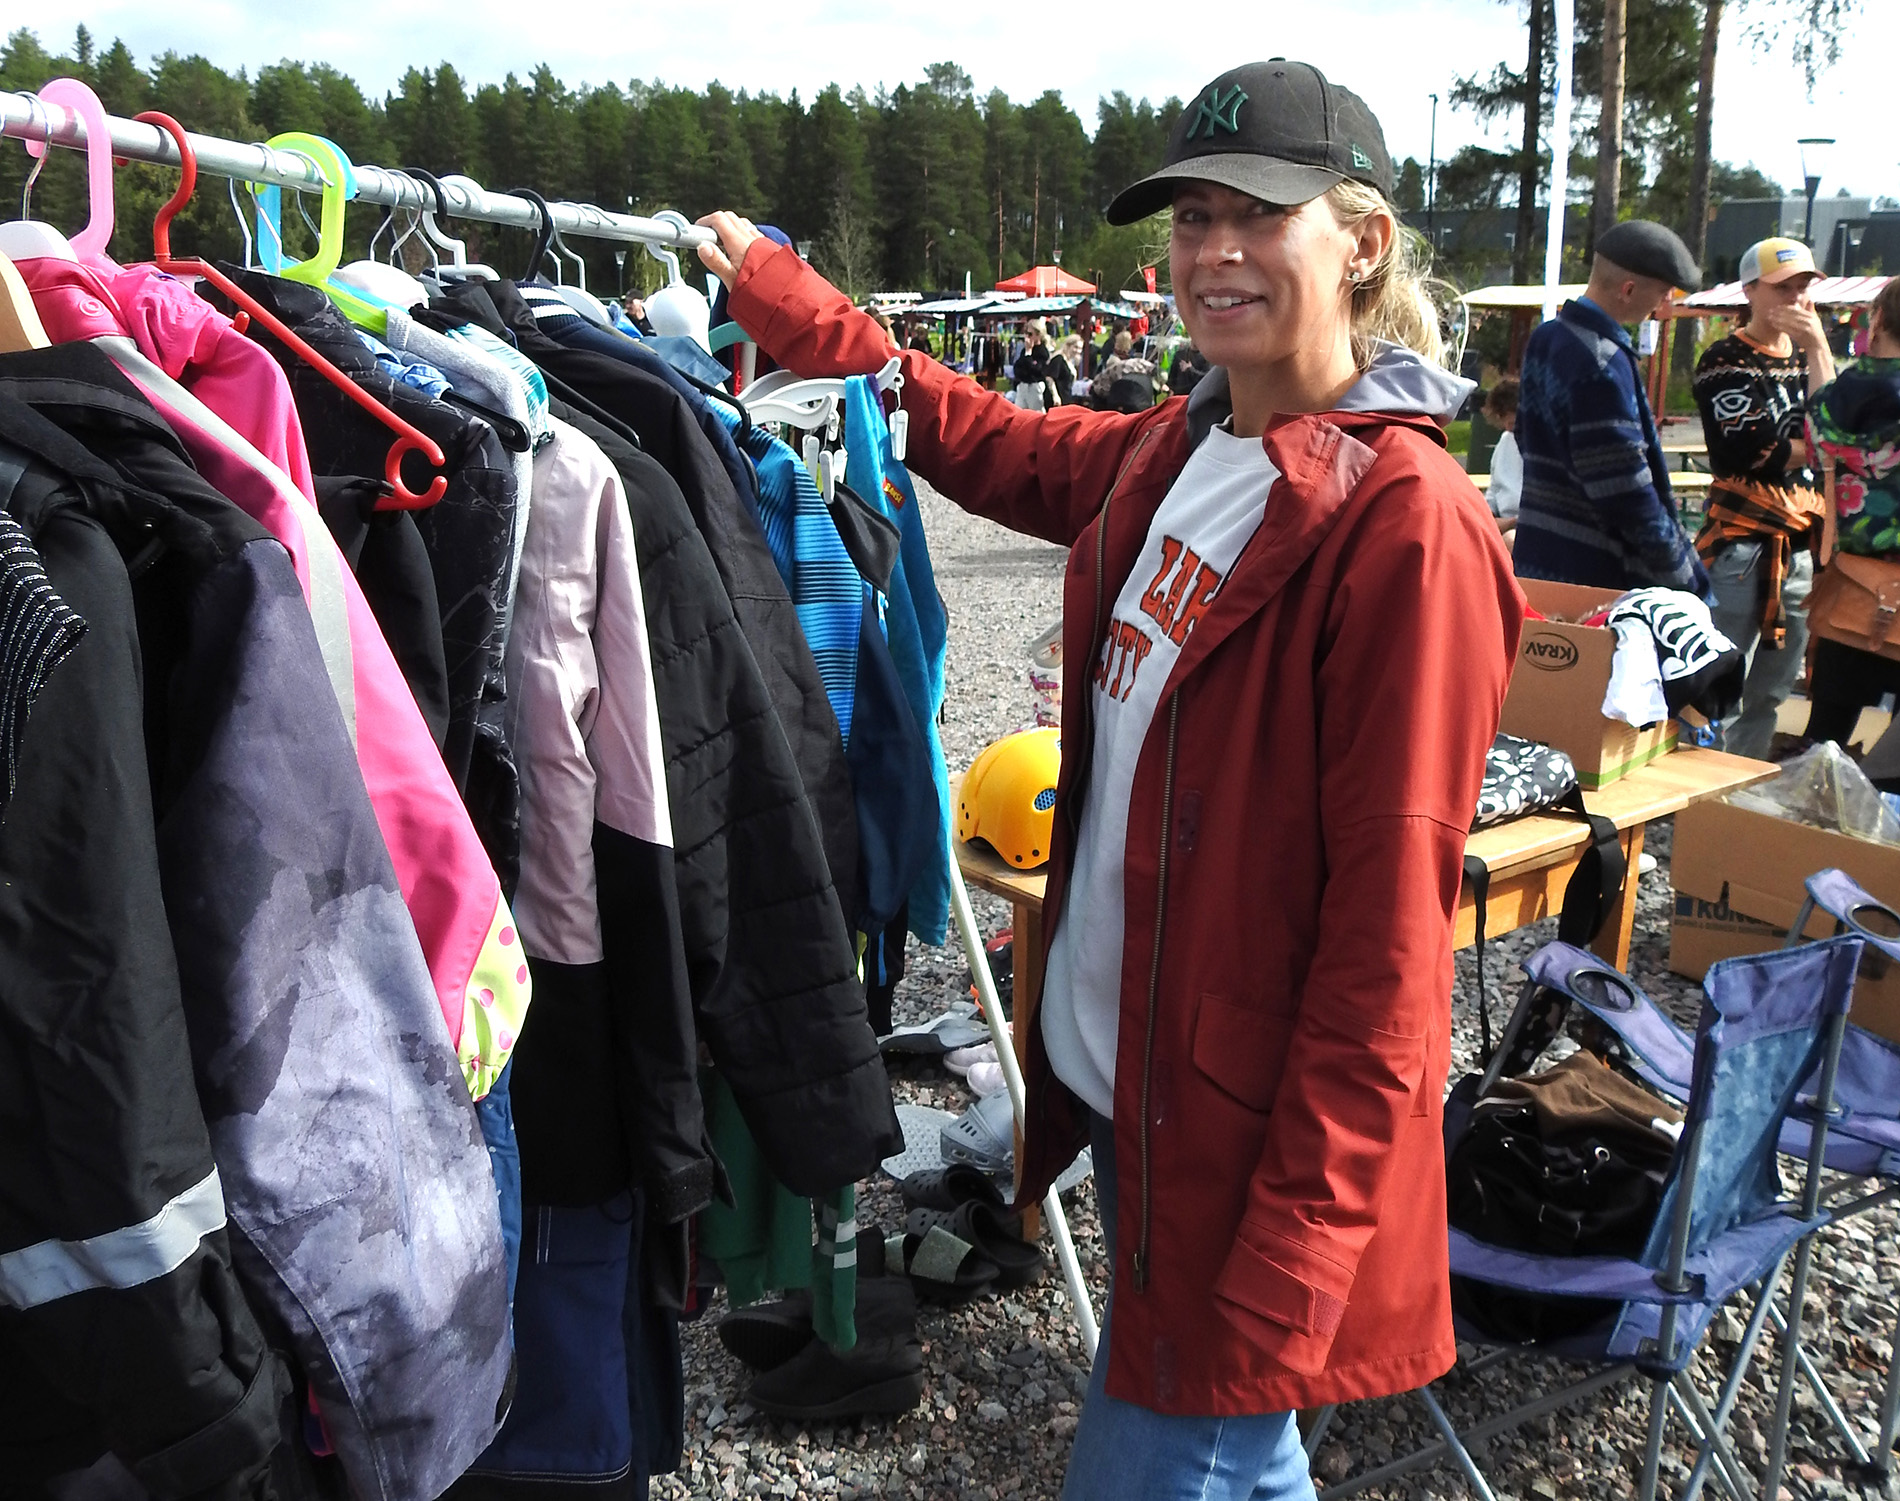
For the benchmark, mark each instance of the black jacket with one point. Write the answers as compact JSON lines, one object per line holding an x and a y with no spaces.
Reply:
{"x":359,"y":1191}
{"x":781,"y":1011}
{"x":100,"y":1129}
{"x":469,"y":536}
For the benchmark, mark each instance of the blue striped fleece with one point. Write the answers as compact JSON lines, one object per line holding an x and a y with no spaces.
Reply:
{"x":825,"y":586}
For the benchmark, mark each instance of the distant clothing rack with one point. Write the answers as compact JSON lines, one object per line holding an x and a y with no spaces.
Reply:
{"x":27,"y":117}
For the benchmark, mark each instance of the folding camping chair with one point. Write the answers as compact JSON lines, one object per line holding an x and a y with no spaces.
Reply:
{"x":1863,"y":1135}
{"x":1770,"y":1023}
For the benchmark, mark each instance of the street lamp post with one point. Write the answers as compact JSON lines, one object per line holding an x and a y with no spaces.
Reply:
{"x":1431,"y":182}
{"x":1814,"y":151}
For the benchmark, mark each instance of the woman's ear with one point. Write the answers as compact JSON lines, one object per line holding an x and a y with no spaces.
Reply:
{"x":1375,"y":235}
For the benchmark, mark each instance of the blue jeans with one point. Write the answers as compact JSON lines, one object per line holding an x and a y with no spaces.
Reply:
{"x":1740,"y":579}
{"x":496,"y":1113}
{"x":1125,"y":1451}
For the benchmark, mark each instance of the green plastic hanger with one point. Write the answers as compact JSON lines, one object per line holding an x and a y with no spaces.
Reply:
{"x":338,"y":183}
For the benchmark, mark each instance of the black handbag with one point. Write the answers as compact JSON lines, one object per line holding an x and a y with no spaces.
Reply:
{"x":1584,"y":1179}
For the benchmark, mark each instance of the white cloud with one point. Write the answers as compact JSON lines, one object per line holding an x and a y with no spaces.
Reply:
{"x":1393,"y":52}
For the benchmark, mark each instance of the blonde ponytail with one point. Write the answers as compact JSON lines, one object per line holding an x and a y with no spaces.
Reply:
{"x":1395,"y":302}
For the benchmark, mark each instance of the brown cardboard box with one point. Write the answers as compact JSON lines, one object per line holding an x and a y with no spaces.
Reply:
{"x":1739,"y":887}
{"x":1557,"y":688}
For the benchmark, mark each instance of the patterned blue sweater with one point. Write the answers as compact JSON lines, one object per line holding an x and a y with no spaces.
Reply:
{"x":1597,"y":507}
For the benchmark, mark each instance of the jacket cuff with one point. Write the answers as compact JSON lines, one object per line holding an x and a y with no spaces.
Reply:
{"x":1293,"y":1320}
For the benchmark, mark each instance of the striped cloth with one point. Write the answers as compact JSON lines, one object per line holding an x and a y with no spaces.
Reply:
{"x":825,"y":585}
{"x":37,"y":631}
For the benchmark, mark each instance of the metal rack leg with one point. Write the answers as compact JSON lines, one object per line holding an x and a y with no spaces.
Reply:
{"x":1013,"y":1078}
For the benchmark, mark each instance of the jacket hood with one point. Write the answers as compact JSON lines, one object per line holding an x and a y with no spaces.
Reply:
{"x":1398,"y":383}
{"x":1865,"y":397}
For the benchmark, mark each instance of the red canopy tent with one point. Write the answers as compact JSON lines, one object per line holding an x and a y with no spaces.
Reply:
{"x":1047,"y":281}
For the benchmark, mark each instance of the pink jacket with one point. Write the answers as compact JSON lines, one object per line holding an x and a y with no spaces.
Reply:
{"x":231,"y":407}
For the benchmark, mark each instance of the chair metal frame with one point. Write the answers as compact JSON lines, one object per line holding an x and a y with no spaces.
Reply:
{"x":1669,"y":1365}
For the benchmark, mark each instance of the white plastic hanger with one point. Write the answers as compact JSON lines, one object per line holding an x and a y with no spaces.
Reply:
{"x":387,"y":281}
{"x":460,"y":267}
{"x":807,"y":405}
{"x":575,"y":294}
{"x":677,"y":310}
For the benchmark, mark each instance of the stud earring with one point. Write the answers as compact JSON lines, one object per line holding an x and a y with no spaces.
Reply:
{"x":1354,"y":275}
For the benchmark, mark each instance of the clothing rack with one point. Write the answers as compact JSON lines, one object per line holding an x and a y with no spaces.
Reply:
{"x":27,"y":117}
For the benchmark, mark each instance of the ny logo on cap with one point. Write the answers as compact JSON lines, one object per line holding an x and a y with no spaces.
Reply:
{"x":1219,"y":112}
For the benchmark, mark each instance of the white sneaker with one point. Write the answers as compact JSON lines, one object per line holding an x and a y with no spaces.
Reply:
{"x":961,"y":1060}
{"x":1645,"y":863}
{"x":986,"y":1078}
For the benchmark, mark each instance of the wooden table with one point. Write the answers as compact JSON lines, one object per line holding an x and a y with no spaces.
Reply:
{"x":1531,"y":861}
{"x":1679,"y":479}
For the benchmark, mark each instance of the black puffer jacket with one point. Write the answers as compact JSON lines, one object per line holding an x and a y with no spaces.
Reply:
{"x":785,"y":1024}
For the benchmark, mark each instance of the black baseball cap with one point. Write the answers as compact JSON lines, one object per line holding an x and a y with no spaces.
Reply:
{"x":1278,"y":130}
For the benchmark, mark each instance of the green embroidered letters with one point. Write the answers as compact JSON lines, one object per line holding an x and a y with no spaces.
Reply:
{"x":1219,"y":111}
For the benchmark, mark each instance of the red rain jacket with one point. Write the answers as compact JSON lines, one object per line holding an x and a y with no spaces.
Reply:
{"x":1295,"y":839}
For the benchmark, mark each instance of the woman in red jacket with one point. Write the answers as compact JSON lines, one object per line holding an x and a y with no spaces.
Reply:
{"x":1288,"y":624}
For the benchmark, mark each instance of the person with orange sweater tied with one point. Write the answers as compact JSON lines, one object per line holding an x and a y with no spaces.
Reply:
{"x":1288,"y":625}
{"x":1765,"y":509}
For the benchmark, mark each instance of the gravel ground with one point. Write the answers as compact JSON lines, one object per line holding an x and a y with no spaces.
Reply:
{"x":1005,"y":1376}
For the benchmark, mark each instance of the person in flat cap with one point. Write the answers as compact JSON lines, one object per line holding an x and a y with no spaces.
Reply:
{"x":1288,"y":627}
{"x":1596,"y":505}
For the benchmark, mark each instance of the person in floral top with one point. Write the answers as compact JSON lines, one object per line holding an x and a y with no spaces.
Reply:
{"x":1855,"y":421}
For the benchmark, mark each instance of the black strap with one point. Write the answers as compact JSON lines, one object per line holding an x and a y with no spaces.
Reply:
{"x":1479,"y":875}
{"x":1597,"y":884}
{"x":1595,"y":888}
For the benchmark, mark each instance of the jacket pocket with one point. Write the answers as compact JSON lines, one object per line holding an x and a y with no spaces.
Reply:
{"x":1241,"y":1051}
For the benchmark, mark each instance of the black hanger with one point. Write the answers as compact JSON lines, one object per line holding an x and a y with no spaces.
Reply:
{"x":435,"y":187}
{"x":545,"y":238}
{"x":514,"y":437}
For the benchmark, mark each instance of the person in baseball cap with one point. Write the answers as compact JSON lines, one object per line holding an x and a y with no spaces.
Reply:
{"x":1286,"y":565}
{"x":1764,"y":517}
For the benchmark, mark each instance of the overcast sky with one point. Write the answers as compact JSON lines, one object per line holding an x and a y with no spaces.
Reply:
{"x":1393,"y":52}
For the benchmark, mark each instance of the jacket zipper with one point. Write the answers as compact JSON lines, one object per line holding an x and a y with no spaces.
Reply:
{"x":1141,"y":1261}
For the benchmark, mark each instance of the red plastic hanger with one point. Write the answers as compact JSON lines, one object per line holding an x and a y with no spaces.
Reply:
{"x":408,"y":438}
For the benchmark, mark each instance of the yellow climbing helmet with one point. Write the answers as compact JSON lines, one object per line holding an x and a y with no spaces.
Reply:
{"x":1008,"y":797}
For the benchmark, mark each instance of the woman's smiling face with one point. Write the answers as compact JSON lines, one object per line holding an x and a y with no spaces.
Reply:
{"x":1256,"y":282}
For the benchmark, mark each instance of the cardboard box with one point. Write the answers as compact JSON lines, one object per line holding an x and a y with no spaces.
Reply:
{"x":1557,"y":687}
{"x":1739,"y":887}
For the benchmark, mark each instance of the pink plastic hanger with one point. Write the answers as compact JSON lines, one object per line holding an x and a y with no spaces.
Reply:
{"x":74,"y":95}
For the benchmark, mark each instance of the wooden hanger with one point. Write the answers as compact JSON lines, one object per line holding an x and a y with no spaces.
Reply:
{"x":20,"y":326}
